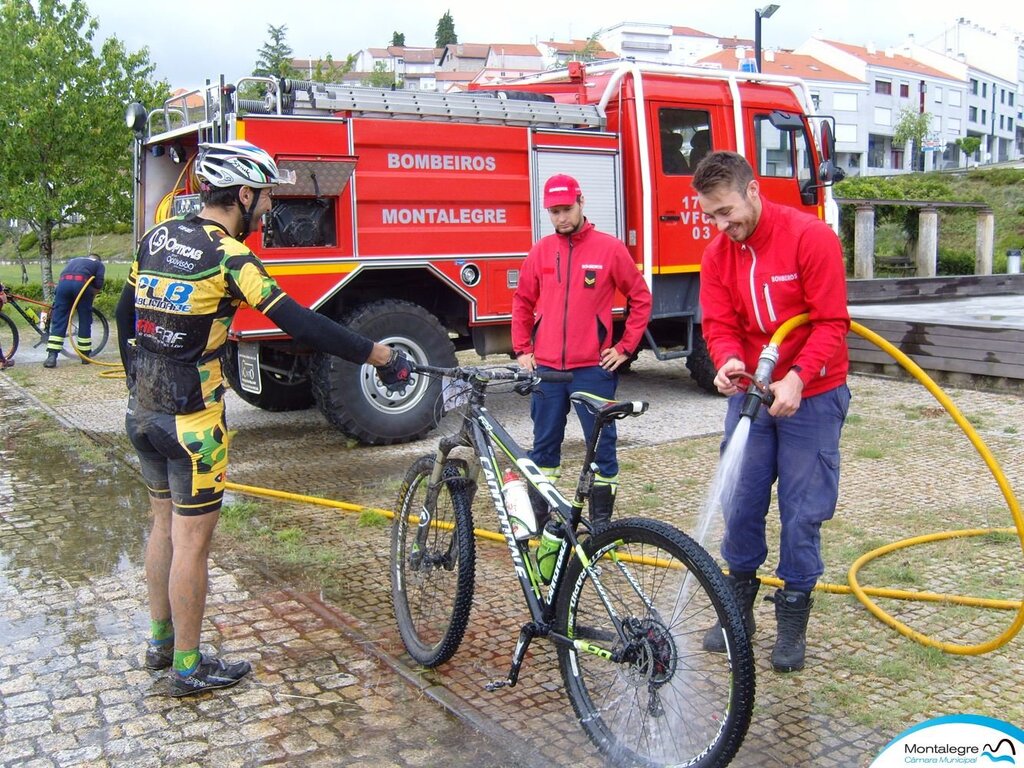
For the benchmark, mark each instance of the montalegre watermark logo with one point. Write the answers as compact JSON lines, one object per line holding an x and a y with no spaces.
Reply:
{"x":956,"y":740}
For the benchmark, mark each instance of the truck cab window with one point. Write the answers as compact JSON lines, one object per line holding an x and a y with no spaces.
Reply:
{"x":781,"y":154}
{"x":685,"y":137}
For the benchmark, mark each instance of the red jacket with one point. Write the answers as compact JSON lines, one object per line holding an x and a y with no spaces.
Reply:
{"x":791,"y":264}
{"x":562,"y":308}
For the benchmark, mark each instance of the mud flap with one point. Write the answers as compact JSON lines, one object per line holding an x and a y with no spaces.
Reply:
{"x":249,"y":367}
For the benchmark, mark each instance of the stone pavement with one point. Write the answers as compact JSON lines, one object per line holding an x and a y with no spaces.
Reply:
{"x":332,"y":685}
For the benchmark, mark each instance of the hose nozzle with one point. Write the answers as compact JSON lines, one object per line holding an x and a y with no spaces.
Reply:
{"x":758,"y":392}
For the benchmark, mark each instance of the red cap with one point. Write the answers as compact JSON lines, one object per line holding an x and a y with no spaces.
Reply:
{"x":561,"y":190}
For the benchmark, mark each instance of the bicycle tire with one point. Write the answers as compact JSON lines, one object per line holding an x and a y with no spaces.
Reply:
{"x":100,"y":335}
{"x":8,"y":336}
{"x":432,"y":586}
{"x":668,"y":702}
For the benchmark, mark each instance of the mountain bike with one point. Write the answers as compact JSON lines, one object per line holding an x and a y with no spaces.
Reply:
{"x":627,"y":604}
{"x":39,"y":321}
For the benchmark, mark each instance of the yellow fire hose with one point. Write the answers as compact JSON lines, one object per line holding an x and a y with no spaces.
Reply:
{"x":972,"y":434}
{"x":864,"y":595}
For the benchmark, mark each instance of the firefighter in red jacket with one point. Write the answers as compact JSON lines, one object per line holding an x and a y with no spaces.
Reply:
{"x":562,"y":320}
{"x":768,"y":264}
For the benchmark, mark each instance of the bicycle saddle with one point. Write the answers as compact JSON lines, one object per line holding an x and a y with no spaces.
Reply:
{"x":609,"y":409}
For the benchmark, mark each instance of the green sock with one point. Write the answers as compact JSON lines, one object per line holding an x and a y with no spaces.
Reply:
{"x":185,"y":662}
{"x":163,"y":631}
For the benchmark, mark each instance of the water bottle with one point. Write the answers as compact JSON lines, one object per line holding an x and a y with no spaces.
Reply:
{"x":520,"y":510}
{"x":547,"y":550}
{"x":33,"y":316}
{"x":43,"y":318}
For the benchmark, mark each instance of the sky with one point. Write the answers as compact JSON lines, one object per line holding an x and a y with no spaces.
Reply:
{"x":191,"y":41}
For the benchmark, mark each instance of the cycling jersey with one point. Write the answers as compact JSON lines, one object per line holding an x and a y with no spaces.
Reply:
{"x":188,"y":278}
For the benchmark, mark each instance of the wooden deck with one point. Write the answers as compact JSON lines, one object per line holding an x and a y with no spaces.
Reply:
{"x":967,"y":331}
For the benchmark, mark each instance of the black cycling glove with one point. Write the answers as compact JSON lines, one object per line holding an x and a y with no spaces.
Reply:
{"x":395,"y":373}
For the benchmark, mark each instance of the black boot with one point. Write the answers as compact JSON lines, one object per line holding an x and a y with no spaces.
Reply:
{"x":51,"y":359}
{"x":792,"y":609}
{"x":602,"y":501}
{"x":745,"y":591}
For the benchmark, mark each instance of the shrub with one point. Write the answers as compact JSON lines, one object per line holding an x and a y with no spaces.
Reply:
{"x":953,"y":262}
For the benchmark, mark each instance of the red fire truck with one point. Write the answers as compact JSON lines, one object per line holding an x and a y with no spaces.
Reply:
{"x":412,"y":212}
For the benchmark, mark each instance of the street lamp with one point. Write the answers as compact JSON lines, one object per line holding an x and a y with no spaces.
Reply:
{"x":761,"y":13}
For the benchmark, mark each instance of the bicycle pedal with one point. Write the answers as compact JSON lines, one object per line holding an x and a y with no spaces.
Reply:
{"x":496,"y":685}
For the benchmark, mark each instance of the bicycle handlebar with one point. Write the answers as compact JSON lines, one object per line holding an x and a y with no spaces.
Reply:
{"x":505,"y":373}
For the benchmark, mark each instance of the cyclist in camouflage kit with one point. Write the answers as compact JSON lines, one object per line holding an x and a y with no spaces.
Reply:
{"x":190,"y":276}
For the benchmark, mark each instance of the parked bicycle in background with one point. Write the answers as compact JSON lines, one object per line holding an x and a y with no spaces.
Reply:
{"x":35,"y":315}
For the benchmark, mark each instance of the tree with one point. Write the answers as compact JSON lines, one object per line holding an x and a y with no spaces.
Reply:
{"x":969,"y":145}
{"x":912,"y":127}
{"x":381,"y":77}
{"x":589,"y":51}
{"x":398,"y":38}
{"x":65,"y":154}
{"x":328,"y":70}
{"x":275,"y":59}
{"x":445,"y":33}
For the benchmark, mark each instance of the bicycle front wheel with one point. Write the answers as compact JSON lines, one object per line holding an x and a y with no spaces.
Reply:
{"x":8,"y":336}
{"x":432,"y":560}
{"x":650,"y":695}
{"x":100,"y":332}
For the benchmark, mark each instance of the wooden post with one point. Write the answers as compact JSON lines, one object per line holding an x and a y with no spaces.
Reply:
{"x":984,"y":243}
{"x":928,"y":242}
{"x":864,"y":242}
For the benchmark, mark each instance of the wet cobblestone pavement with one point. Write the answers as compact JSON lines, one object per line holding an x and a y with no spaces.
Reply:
{"x":331,"y":684}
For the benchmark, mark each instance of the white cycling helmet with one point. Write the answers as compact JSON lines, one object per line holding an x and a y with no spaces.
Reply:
{"x":238,"y":163}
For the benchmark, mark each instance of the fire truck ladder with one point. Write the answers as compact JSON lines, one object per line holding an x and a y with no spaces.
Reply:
{"x":304,"y":97}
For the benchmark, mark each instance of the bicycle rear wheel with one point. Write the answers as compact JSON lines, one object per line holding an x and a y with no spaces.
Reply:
{"x":100,"y":334}
{"x":433,"y":556}
{"x":666,"y":701}
{"x":8,"y":336}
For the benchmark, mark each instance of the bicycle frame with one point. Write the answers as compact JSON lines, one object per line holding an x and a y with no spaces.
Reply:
{"x":14,"y":300}
{"x":481,"y":432}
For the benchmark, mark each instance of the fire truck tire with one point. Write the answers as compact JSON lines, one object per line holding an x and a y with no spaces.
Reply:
{"x":702,"y":370}
{"x":279,"y":393}
{"x":352,"y":397}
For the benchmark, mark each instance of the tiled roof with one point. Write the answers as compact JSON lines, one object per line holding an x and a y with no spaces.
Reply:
{"x":880,"y":59}
{"x":467,"y":50}
{"x":515,"y":49}
{"x":785,"y":63}
{"x":690,"y":32}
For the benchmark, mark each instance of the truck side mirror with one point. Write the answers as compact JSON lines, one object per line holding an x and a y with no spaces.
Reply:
{"x":828,"y":171}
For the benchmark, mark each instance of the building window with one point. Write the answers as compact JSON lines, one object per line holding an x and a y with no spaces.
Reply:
{"x":955,"y":98}
{"x":844,"y":102}
{"x":904,"y":90}
{"x":972,"y":114}
{"x":984,"y":117}
{"x":1011,"y":98}
{"x":938,"y":95}
{"x":816,"y":100}
{"x":974,"y":87}
{"x":883,"y":87}
{"x":984,"y":90}
{"x":953,"y":124}
{"x":846,"y":133}
{"x":883,"y":116}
